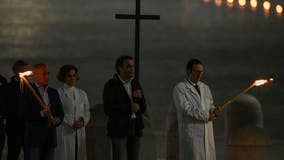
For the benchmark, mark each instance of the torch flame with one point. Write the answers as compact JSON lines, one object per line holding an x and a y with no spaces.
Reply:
{"x":262,"y":81}
{"x":27,"y":73}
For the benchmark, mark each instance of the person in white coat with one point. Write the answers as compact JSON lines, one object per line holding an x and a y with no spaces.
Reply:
{"x":71,"y":134}
{"x":195,"y":112}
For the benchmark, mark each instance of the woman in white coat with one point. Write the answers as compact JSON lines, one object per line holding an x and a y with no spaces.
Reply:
{"x":194,"y":104}
{"x":71,"y":133}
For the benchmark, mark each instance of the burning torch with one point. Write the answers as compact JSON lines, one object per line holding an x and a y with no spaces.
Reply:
{"x":256,"y":83}
{"x":23,"y":80}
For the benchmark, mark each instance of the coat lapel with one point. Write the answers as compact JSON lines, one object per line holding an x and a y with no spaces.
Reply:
{"x":68,"y":98}
{"x":51,"y":100}
{"x":193,"y":91}
{"x":124,"y":91}
{"x":122,"y":87}
{"x":37,"y":92}
{"x":50,"y":96}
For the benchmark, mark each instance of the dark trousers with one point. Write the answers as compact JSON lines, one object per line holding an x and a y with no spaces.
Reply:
{"x":130,"y":145}
{"x":2,"y":138}
{"x":15,"y":144}
{"x":42,"y":153}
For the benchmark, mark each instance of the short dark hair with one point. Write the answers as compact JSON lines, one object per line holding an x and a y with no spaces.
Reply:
{"x":191,"y":63}
{"x":18,"y":66}
{"x":64,"y":70}
{"x":120,"y":60}
{"x":39,"y":65}
{"x":2,"y":80}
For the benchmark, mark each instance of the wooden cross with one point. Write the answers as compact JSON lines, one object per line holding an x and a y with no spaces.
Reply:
{"x":137,"y":17}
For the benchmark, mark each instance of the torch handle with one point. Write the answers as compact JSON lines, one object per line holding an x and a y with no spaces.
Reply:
{"x":256,"y":83}
{"x":35,"y":95}
{"x":225,"y":105}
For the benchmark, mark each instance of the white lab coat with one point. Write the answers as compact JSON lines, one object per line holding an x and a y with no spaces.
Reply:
{"x":196,"y":138}
{"x":75,"y":105}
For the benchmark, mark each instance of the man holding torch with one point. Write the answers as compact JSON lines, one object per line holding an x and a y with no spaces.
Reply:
{"x":195,"y":112}
{"x":42,"y":116}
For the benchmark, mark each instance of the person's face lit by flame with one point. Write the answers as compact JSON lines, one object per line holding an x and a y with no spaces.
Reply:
{"x":41,"y":75}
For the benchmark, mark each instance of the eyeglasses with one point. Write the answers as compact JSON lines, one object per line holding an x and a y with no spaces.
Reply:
{"x":198,"y":71}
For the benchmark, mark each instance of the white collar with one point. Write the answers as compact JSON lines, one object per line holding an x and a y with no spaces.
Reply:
{"x":38,"y":86}
{"x":124,"y":82}
{"x":67,"y":87}
{"x":192,"y":83}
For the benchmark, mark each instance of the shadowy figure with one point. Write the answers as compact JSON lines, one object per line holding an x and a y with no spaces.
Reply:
{"x":3,"y":81}
{"x":14,"y":120}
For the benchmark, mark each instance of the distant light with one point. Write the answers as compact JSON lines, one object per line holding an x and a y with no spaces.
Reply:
{"x":230,"y":3}
{"x":253,"y":4}
{"x":206,"y":1}
{"x":266,"y":5}
{"x":242,"y":3}
{"x":218,"y":3}
{"x":279,"y":9}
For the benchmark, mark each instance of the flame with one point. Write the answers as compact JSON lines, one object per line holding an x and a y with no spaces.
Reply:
{"x":266,"y":5}
{"x":279,"y":9}
{"x":27,"y":73}
{"x":218,"y":3}
{"x":206,"y":1}
{"x":262,"y":81}
{"x":242,"y":3}
{"x":230,"y":3}
{"x":253,"y":4}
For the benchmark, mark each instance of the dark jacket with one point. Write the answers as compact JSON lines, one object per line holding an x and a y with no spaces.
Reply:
{"x":38,"y":130}
{"x":2,"y":108}
{"x":2,"y":114}
{"x":117,"y":106}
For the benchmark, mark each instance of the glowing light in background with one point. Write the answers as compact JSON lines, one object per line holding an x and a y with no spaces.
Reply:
{"x":230,"y":3}
{"x":242,"y":3}
{"x":253,"y":4}
{"x":279,"y":9}
{"x":206,"y":1}
{"x":266,"y":6}
{"x":218,"y":3}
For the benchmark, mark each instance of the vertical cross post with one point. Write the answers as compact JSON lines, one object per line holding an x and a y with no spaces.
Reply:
{"x":137,"y":17}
